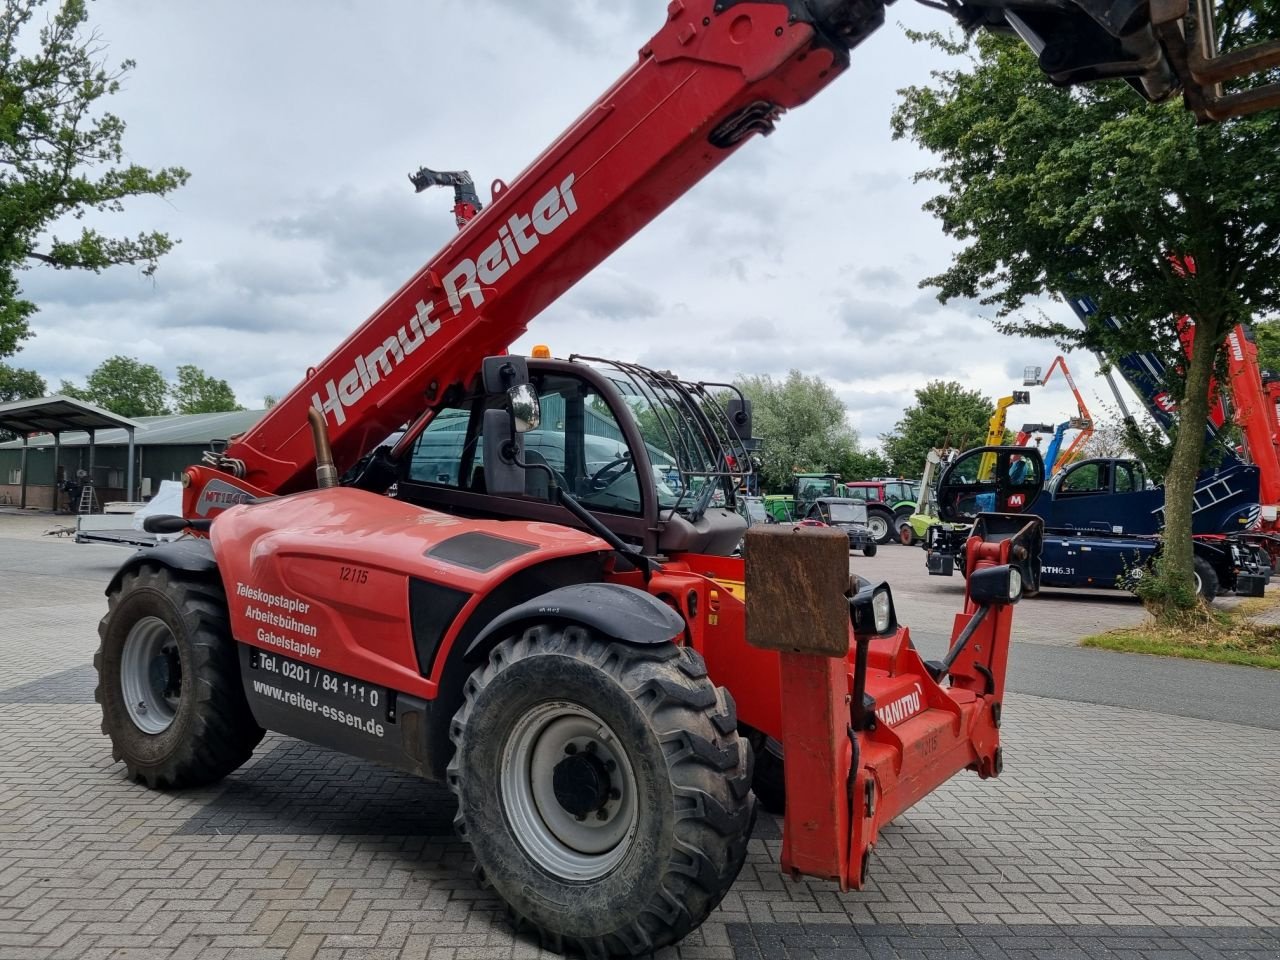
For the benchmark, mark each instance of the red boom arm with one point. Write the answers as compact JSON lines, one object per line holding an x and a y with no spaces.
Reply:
{"x":1254,"y":412}
{"x":701,"y":87}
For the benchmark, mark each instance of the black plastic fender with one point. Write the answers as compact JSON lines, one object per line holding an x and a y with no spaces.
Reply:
{"x":617,"y":611}
{"x":190,"y":554}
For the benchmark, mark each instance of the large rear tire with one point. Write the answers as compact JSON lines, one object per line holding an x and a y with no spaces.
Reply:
{"x":603,"y":788}
{"x":169,"y":681}
{"x":880,"y":523}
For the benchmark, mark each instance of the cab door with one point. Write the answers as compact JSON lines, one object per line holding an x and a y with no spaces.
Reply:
{"x":990,"y":480}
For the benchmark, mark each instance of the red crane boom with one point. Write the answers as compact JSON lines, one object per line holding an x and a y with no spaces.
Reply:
{"x":700,"y":88}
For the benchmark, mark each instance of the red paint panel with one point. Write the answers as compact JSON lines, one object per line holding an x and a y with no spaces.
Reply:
{"x":323,"y":576}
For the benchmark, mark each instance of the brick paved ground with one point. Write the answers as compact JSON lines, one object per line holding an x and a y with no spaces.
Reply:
{"x":1116,"y":833}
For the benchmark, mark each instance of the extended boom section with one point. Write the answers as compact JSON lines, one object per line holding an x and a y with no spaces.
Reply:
{"x":702,"y":86}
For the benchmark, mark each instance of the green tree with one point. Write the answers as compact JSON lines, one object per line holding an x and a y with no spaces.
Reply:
{"x":197,"y":392}
{"x":18,"y":384}
{"x":61,"y":156}
{"x":1266,"y":334}
{"x":863,"y":465}
{"x":125,"y":386}
{"x":802,"y":424}
{"x":1093,"y":191}
{"x":945,"y":413}
{"x":1111,"y":437}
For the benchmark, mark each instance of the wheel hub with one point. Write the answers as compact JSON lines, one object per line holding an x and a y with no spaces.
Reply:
{"x":581,"y":783}
{"x":569,"y":791}
{"x":151,"y":675}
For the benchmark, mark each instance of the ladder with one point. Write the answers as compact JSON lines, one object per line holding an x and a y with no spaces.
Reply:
{"x":1211,"y":494}
{"x":88,"y":500}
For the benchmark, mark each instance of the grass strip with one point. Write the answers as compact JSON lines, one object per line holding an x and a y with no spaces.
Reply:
{"x":1225,"y":639}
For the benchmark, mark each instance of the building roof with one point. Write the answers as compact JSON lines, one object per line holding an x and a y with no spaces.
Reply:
{"x":49,"y":414}
{"x":172,"y":430}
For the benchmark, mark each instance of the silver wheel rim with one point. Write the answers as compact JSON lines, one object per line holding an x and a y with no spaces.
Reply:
{"x":879,"y":527}
{"x":151,"y":675}
{"x":554,"y":837}
{"x":1199,"y":583}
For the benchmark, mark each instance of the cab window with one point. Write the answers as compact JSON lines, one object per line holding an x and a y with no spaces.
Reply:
{"x":446,"y":454}
{"x":1023,"y":473}
{"x":1087,"y":478}
{"x":579,"y":443}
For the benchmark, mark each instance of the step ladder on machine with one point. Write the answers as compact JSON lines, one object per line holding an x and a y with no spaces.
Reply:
{"x":88,"y":500}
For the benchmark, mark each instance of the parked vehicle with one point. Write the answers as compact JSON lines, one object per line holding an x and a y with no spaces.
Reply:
{"x":1112,"y":550}
{"x":850,"y":516}
{"x":888,"y":502}
{"x":805,"y":489}
{"x":562,"y":644}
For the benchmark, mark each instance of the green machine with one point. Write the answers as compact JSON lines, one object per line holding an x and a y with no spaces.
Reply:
{"x":805,"y":489}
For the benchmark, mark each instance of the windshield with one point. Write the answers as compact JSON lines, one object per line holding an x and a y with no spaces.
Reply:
{"x":686,"y":430}
{"x":847,"y":512}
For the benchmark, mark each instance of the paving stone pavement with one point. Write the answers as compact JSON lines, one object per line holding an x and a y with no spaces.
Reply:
{"x":1113,"y":833}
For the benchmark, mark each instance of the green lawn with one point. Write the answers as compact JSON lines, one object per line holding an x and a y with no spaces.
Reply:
{"x":1231,"y":640}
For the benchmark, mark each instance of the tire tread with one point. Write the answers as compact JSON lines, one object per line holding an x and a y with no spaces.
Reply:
{"x":222,"y":733}
{"x":709,"y":765}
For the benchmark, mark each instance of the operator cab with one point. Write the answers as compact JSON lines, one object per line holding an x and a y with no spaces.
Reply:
{"x":656,"y":460}
{"x":990,"y":480}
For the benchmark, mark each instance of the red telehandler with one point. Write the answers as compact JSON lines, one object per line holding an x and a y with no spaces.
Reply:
{"x":531,"y":594}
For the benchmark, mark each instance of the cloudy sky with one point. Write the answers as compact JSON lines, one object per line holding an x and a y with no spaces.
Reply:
{"x":299,"y":120}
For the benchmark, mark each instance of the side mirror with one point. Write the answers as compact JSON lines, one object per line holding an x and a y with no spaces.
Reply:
{"x":500,"y":374}
{"x":503,"y":477}
{"x":525,"y":408}
{"x":738,"y":411}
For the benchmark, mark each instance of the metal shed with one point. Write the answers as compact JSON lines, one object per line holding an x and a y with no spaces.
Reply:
{"x":116,"y":457}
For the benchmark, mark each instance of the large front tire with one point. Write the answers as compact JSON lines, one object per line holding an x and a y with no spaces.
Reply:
{"x":169,"y":681}
{"x":1205,"y":578}
{"x":603,"y":788}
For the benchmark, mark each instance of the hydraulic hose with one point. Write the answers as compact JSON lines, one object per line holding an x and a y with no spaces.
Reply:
{"x":326,"y":472}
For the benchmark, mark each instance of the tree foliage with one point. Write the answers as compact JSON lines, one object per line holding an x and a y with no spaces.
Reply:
{"x":1092,"y":191}
{"x":944,"y":414}
{"x":863,"y":465}
{"x":18,"y":384}
{"x":802,"y":424}
{"x":125,"y":386}
{"x":62,"y":157}
{"x":1110,"y":437}
{"x":1267,"y":336}
{"x":197,"y":392}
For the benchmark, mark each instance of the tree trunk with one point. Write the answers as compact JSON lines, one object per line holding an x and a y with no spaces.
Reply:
{"x":1180,"y":480}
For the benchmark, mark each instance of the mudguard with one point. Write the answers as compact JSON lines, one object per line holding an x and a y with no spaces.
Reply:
{"x":613,"y":609}
{"x":191,"y":555}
